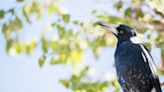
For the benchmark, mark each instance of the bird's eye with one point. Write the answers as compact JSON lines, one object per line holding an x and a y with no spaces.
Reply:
{"x":121,"y":31}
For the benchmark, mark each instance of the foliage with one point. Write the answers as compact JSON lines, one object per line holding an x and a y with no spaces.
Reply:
{"x":70,"y":43}
{"x":81,"y":82}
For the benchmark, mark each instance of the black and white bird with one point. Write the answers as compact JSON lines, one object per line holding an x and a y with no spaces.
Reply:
{"x":135,"y":67}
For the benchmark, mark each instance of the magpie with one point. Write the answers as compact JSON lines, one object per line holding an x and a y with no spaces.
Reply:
{"x":135,"y":67}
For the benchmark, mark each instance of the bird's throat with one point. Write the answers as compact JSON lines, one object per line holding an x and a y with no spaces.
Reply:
{"x":121,"y":41}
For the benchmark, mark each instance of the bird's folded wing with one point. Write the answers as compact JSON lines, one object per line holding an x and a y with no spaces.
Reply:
{"x":151,"y":68}
{"x":148,"y":59}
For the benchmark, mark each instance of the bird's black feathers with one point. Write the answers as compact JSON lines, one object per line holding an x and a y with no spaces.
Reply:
{"x":124,"y":33}
{"x":135,"y":67}
{"x":127,"y":31}
{"x":134,"y":73}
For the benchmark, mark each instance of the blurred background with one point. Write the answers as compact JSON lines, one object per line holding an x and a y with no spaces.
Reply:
{"x":56,"y":46}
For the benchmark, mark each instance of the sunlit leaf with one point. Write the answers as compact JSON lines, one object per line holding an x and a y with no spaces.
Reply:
{"x":42,"y":61}
{"x":65,"y":83}
{"x":63,"y":58}
{"x":24,"y":47}
{"x":53,"y":24}
{"x":117,"y":90}
{"x":55,"y":61}
{"x":30,"y":47}
{"x":61,"y":31}
{"x":36,"y":8}
{"x":75,"y":56}
{"x":8,"y":45}
{"x":33,"y":44}
{"x":77,"y":84}
{"x":18,"y":23}
{"x":20,"y":0}
{"x":52,"y":8}
{"x":75,"y":22}
{"x":66,"y":17}
{"x":118,"y":5}
{"x":115,"y":83}
{"x":12,"y":25}
{"x":128,"y":12}
{"x":4,"y":27}
{"x":44,"y":45}
{"x":140,"y":13}
{"x":114,"y":19}
{"x":69,"y":33}
{"x":17,"y":47}
{"x":2,"y":13}
{"x":26,"y":13}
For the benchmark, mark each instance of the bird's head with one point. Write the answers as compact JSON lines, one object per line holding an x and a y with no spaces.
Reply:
{"x":121,"y":31}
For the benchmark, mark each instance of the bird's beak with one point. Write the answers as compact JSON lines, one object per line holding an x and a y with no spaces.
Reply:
{"x":111,"y":28}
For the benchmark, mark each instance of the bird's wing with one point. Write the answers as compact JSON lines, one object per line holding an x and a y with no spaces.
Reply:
{"x":148,"y":59}
{"x":151,"y":68}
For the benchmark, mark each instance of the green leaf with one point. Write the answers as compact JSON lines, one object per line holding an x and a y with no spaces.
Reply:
{"x":139,"y":13}
{"x":11,"y":11}
{"x":53,"y":24}
{"x":4,"y":28}
{"x":26,"y":14}
{"x":75,"y":56}
{"x":61,"y":31}
{"x":69,"y":33}
{"x":2,"y":13}
{"x":20,"y":0}
{"x":75,"y":22}
{"x":42,"y":61}
{"x":36,"y":8}
{"x":115,"y":84}
{"x":12,"y":25}
{"x":128,"y":12}
{"x":9,"y":45}
{"x":118,"y":5}
{"x":52,"y":8}
{"x":54,"y":61}
{"x":17,"y":48}
{"x":44,"y":44}
{"x":66,"y":18}
{"x":18,"y":23}
{"x":65,"y":83}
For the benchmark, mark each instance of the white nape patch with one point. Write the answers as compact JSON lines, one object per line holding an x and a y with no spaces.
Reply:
{"x":150,"y":60}
{"x":139,"y":39}
{"x":153,"y":90}
{"x":135,"y":40}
